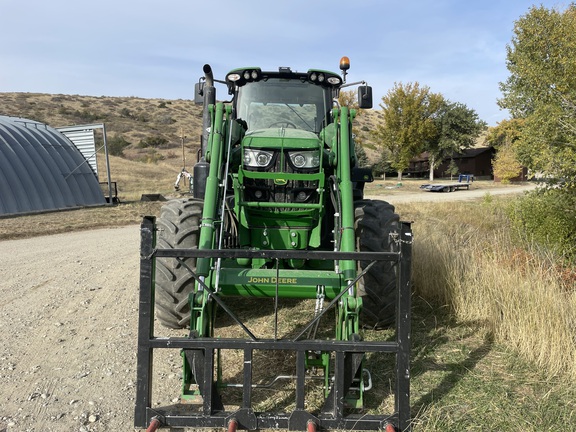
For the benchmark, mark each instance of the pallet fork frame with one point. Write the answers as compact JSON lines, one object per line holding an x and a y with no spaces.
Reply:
{"x":332,"y":415}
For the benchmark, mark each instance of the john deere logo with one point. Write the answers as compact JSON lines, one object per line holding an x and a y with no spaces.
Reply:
{"x":280,"y":182}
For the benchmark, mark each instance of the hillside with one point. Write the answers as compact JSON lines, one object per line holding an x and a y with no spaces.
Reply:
{"x":134,"y":119}
{"x":152,"y":128}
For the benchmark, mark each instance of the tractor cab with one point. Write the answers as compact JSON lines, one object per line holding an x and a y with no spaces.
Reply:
{"x":279,"y":186}
{"x":283,"y":99}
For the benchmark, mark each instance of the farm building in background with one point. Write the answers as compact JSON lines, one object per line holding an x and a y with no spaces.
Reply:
{"x":42,"y":170}
{"x":476,"y":161}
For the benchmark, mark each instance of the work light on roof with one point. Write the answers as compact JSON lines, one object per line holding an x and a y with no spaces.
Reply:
{"x":317,"y":77}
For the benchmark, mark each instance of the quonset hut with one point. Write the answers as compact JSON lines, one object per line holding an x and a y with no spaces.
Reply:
{"x":41,"y":170}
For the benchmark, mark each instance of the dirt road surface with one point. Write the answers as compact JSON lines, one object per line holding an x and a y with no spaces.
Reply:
{"x":398,"y":196}
{"x":68,"y":314}
{"x":68,"y":329}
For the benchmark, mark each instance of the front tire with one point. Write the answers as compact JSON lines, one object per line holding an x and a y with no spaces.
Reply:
{"x":179,"y":227}
{"x":374,"y":221}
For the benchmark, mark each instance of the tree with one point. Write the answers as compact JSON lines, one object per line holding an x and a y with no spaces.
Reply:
{"x":452,"y":168}
{"x":349,"y":98}
{"x":505,"y":164}
{"x":457,"y":128}
{"x":505,"y":137}
{"x":361,"y":156}
{"x":382,"y":166}
{"x":541,"y":89}
{"x":507,"y":132}
{"x":408,"y":113}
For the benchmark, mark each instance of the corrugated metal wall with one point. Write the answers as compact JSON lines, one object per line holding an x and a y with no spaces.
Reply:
{"x":41,"y":170}
{"x":83,"y":139}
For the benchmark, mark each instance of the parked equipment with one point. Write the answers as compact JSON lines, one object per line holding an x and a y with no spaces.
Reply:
{"x":464,"y":182}
{"x":278,"y":213}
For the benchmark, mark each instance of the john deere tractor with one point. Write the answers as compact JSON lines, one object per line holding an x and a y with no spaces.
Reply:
{"x":277,"y":213}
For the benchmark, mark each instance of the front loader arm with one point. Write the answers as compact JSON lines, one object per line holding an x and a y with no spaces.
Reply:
{"x":344,"y":158}
{"x":214,"y":156}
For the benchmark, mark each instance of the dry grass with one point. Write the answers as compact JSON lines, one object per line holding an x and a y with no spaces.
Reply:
{"x":466,"y":260}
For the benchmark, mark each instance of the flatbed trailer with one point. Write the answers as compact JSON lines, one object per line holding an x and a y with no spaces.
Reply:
{"x":450,"y":187}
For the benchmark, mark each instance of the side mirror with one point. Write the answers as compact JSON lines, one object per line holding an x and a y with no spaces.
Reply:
{"x":365,"y":97}
{"x":199,"y":93}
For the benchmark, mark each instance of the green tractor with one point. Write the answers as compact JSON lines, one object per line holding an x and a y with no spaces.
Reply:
{"x":277,"y":212}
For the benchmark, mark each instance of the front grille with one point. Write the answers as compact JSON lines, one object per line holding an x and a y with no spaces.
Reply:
{"x":294,"y":191}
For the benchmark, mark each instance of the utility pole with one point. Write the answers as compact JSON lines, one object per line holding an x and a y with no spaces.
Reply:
{"x":183,"y":152}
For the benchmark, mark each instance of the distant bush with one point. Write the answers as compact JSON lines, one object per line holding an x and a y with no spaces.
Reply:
{"x":548,"y":218}
{"x":88,"y":116}
{"x":141,"y":117}
{"x":151,"y":157}
{"x":117,"y":144}
{"x":64,"y":110}
{"x":153,"y":141}
{"x":165,"y":119}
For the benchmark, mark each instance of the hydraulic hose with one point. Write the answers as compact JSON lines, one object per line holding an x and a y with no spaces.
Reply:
{"x":154,"y":425}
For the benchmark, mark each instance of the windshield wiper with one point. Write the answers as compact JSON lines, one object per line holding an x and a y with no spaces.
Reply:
{"x":300,"y":117}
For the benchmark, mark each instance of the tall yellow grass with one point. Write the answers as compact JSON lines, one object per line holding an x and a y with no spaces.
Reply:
{"x":466,"y":259}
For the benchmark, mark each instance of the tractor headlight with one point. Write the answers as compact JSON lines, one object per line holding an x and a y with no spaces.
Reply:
{"x":257,"y":158}
{"x":305,"y":159}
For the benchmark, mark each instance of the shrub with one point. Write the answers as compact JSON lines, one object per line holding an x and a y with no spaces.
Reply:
{"x":117,"y":144}
{"x":152,"y":141}
{"x":151,"y":157}
{"x":548,"y":218}
{"x":88,"y":116}
{"x":166,"y":119}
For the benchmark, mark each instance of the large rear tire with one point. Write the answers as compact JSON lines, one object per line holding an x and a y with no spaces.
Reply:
{"x":179,"y":227}
{"x":374,"y":221}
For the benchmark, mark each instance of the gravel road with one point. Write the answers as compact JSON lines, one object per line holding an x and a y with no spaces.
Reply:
{"x":398,"y":196}
{"x":68,"y":320}
{"x":68,"y":316}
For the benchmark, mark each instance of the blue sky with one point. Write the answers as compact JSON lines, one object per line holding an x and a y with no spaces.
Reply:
{"x":157,"y":48}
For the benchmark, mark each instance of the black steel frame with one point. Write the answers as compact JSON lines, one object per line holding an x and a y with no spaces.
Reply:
{"x":332,"y":415}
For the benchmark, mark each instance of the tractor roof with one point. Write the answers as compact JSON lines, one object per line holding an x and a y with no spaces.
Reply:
{"x":241,"y":76}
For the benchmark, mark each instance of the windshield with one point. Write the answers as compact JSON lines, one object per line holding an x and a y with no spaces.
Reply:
{"x":283,"y":103}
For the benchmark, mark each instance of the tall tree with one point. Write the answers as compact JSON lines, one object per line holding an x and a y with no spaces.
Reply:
{"x":541,"y":89}
{"x":407,"y":122}
{"x":349,"y":98}
{"x":457,"y":128}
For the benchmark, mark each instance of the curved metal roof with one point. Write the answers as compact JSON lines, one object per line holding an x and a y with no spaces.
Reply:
{"x":41,"y":170}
